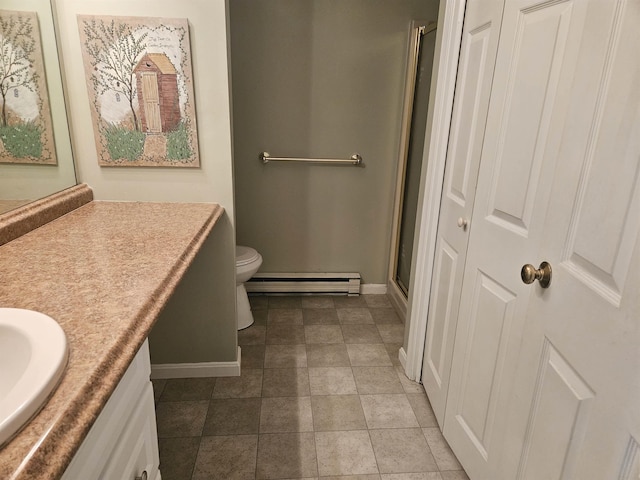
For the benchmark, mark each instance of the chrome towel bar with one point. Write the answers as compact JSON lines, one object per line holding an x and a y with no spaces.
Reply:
{"x":355,"y":160}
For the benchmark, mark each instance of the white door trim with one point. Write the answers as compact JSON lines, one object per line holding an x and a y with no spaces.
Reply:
{"x":448,"y":40}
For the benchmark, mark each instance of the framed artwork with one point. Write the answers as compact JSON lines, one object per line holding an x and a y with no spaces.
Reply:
{"x":140,"y":85}
{"x":26,"y":132}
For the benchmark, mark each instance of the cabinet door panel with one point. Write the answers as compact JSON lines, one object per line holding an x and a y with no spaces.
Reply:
{"x":137,"y":449}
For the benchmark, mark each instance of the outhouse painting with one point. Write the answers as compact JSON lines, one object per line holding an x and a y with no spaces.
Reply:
{"x":140,"y":86}
{"x":157,"y":85}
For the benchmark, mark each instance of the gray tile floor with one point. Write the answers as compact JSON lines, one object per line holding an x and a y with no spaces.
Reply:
{"x":321,"y":396}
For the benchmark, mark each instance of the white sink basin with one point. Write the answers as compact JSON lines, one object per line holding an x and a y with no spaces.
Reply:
{"x":33,"y":356}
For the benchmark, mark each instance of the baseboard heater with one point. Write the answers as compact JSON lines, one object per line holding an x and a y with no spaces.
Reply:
{"x":321,"y":283}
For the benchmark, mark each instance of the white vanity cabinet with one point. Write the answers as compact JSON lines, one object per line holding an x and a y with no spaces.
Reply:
{"x":123,"y":442}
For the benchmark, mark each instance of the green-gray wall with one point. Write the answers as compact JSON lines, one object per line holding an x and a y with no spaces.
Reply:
{"x":319,"y":78}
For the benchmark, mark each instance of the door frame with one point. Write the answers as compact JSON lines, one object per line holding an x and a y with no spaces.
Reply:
{"x":417,"y":30}
{"x":448,"y":41}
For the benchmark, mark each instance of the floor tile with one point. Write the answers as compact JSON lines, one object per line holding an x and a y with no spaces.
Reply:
{"x":158,"y":387}
{"x":285,"y":301}
{"x":344,"y":301}
{"x":385,"y":315}
{"x":323,"y":334}
{"x":258,"y":302}
{"x":303,"y":410}
{"x":317,"y":301}
{"x":361,"y":334}
{"x":410,"y":476}
{"x":320,"y":316}
{"x":327,"y":355}
{"x":229,"y":457}
{"x":454,"y":475}
{"x":354,"y":316}
{"x":252,"y":356}
{"x":345,"y":453}
{"x":402,"y":450}
{"x":285,"y":356}
{"x":377,"y":301}
{"x":368,"y":355}
{"x":253,"y":335}
{"x":286,"y":414}
{"x":232,"y":416}
{"x":184,"y":389}
{"x":178,"y":457}
{"x":284,"y":316}
{"x":285,"y":382}
{"x":337,"y":412}
{"x":440,"y":449}
{"x":331,"y":381}
{"x":391,"y":333}
{"x":249,"y":384}
{"x":181,"y":419}
{"x":259,"y":317}
{"x":388,"y":411}
{"x":393,"y":349}
{"x":409,"y":385}
{"x":422,"y":409}
{"x":285,"y":334}
{"x":353,"y":477}
{"x":377,"y":380}
{"x":286,"y":455}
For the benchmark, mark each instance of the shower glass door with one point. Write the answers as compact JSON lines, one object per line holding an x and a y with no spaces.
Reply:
{"x":424,"y":51}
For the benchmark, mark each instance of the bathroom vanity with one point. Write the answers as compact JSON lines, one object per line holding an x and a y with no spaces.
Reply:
{"x":103,"y":271}
{"x":123,"y":441}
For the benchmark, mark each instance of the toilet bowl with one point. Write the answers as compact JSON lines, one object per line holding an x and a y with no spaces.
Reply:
{"x":248,"y":262}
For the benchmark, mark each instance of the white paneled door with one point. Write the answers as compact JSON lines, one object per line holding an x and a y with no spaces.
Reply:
{"x":545,"y":383}
{"x":479,"y":45}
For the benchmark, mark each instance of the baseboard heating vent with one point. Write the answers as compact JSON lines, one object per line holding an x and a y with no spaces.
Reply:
{"x":327,"y":283}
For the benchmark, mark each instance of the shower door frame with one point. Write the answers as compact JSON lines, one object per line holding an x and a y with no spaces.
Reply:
{"x":417,"y":31}
{"x":448,"y":41}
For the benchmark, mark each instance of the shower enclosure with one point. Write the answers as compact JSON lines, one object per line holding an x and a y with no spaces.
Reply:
{"x":410,"y":162}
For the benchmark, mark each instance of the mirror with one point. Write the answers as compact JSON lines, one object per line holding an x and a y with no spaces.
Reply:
{"x":24,"y":183}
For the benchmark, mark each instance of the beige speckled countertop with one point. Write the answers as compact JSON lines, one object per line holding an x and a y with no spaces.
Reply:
{"x":103,"y":271}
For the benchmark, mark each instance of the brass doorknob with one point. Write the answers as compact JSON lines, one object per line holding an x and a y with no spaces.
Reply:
{"x":529,"y":274}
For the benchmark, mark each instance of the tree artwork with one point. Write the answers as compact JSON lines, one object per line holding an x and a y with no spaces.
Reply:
{"x":17,"y":47}
{"x":25,"y":121}
{"x":140,"y":85}
{"x":114,"y":51}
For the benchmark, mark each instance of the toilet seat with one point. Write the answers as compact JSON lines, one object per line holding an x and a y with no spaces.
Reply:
{"x":245,"y":255}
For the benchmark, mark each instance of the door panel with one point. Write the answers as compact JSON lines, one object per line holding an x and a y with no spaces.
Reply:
{"x":530,"y":87}
{"x":606,"y":217}
{"x":151,"y":102}
{"x":534,"y":71}
{"x":546,"y":386}
{"x":630,"y":469}
{"x":489,"y":327}
{"x":560,"y":411}
{"x":590,"y":314}
{"x":464,"y":146}
{"x":445,"y":272}
{"x":477,"y":59}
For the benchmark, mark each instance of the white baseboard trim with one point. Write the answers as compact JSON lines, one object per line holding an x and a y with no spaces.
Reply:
{"x":196,"y":370}
{"x":373,"y":289}
{"x":402,"y":356}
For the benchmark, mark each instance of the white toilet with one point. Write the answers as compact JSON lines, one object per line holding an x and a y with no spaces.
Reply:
{"x":248,"y":262}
